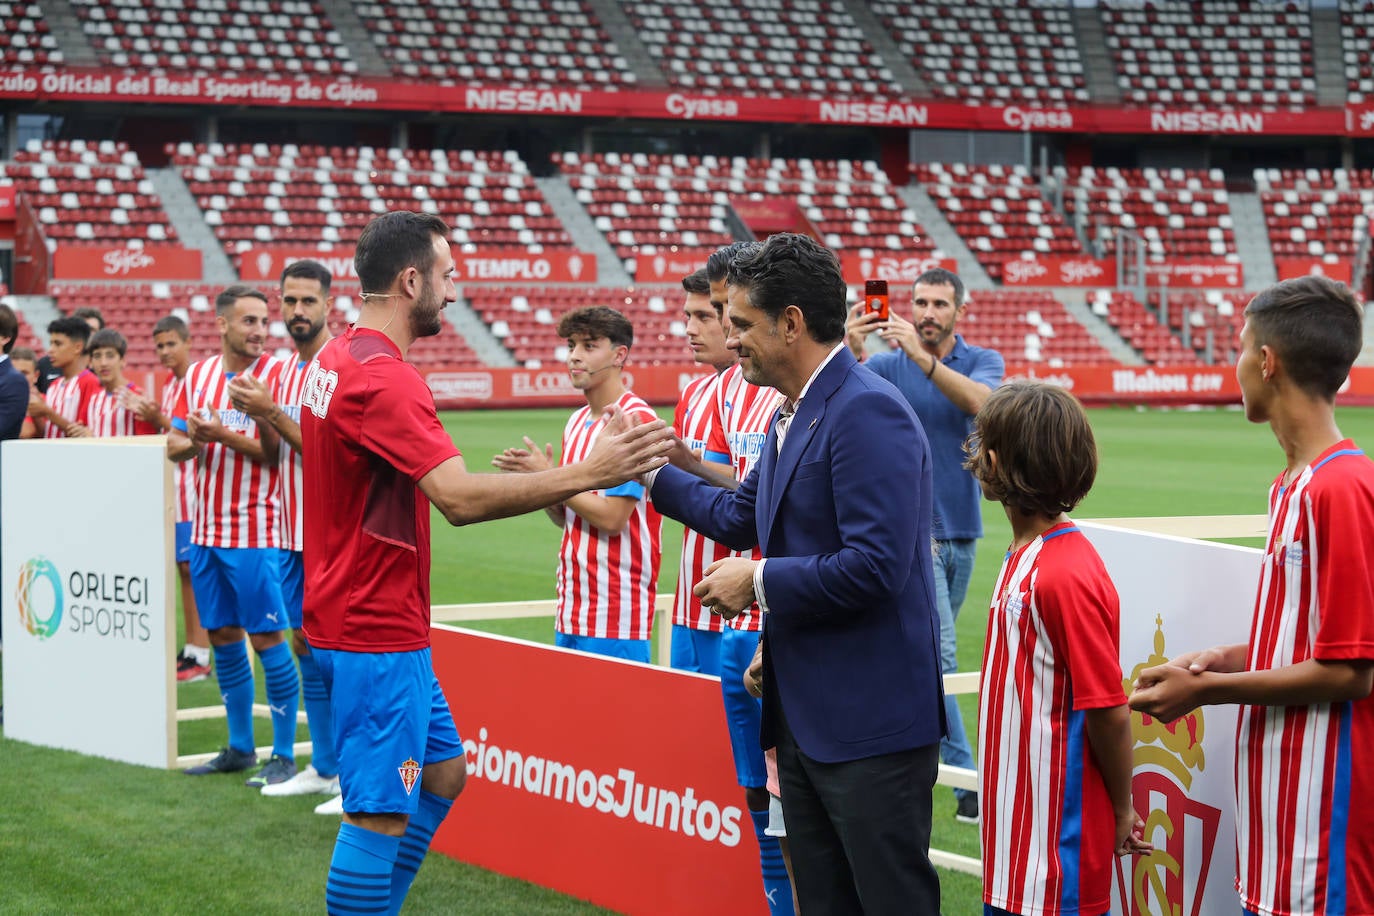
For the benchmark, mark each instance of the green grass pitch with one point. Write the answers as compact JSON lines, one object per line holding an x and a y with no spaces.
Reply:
{"x":84,"y":835}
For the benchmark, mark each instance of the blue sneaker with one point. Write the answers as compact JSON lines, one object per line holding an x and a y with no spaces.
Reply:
{"x":276,"y":770}
{"x":227,"y":760}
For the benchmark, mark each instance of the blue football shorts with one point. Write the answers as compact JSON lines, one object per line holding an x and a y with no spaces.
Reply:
{"x":183,"y":542}
{"x":743,"y":713}
{"x":238,"y":587}
{"x":695,"y":650}
{"x":635,"y":650}
{"x":293,"y":585}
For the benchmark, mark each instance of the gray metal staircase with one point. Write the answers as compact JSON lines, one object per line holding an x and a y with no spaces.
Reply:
{"x":356,"y":37}
{"x":945,"y":238}
{"x":1328,"y":55}
{"x":478,"y":335}
{"x":1252,"y":240}
{"x":38,"y":311}
{"x":189,"y":222}
{"x":642,"y":64}
{"x":1099,"y":70}
{"x":65,"y":28}
{"x":575,"y":218}
{"x":897,"y":61}
{"x":1075,"y":299}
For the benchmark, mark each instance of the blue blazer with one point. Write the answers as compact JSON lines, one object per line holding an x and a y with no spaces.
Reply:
{"x":851,"y":638}
{"x":14,"y":400}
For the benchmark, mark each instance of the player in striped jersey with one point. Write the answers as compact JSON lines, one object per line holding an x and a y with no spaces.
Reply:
{"x":61,"y":411}
{"x":742,"y":415}
{"x":1304,"y":801}
{"x":172,"y":342}
{"x":112,"y":412}
{"x":696,"y":631}
{"x":305,"y":305}
{"x":608,"y":559}
{"x":1054,"y":730}
{"x":236,"y":538}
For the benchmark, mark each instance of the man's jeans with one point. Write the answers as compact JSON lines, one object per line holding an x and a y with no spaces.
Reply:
{"x":953,"y":568}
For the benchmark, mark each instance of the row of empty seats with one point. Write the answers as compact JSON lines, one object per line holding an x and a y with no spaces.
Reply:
{"x":1178,"y":213}
{"x":1314,"y":213}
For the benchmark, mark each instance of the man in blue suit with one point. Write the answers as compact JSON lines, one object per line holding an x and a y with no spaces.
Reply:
{"x":840,"y":503}
{"x":14,"y":387}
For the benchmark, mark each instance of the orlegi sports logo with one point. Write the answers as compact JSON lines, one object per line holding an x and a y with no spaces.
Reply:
{"x":39,"y":596}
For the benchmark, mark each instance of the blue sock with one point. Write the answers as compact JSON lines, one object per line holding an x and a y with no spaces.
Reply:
{"x":414,"y":845}
{"x":283,"y":697}
{"x":324,"y":756}
{"x":776,"y":887}
{"x":360,"y":872}
{"x":235,"y":675}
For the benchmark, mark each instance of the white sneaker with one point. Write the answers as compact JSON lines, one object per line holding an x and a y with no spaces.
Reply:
{"x":334,"y":806}
{"x":306,"y":782}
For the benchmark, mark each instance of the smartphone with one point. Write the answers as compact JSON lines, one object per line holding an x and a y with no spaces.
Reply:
{"x":875,"y":298}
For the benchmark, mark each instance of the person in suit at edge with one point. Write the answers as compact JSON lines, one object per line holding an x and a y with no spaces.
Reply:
{"x":840,"y":503}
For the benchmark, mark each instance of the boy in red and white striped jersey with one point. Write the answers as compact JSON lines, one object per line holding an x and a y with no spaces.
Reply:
{"x":61,"y":411}
{"x":236,"y":536}
{"x":1304,"y":801}
{"x":111,"y":412}
{"x":608,"y":559}
{"x":1054,"y":732}
{"x":305,"y":306}
{"x":696,"y":631}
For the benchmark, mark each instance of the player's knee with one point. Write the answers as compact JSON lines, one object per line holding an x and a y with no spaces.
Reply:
{"x":264,"y":641}
{"x":756,"y":797}
{"x":446,"y":778}
{"x":298,"y":643}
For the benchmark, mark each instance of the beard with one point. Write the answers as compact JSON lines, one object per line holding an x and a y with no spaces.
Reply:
{"x":424,"y":317}
{"x":303,"y":333}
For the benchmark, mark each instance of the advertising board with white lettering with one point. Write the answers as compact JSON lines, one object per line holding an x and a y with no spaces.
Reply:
{"x":616,"y":777}
{"x":1184,"y":782}
{"x":86,"y":597}
{"x":122,"y":262}
{"x":490,"y":265}
{"x":1059,"y":271}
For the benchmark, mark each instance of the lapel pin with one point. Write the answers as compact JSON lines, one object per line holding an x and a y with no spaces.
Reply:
{"x":813,"y":423}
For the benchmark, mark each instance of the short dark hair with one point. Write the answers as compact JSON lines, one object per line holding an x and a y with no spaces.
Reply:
{"x":88,"y":311}
{"x":71,"y":327}
{"x":1315,"y":325}
{"x":938,"y":276}
{"x":172,"y":324}
{"x":23,"y":352}
{"x":596,"y":321}
{"x":9,"y":326}
{"x":697,"y":283}
{"x":793,"y":269}
{"x":1046,"y":453}
{"x":391,"y":243}
{"x":108,"y":337}
{"x":232,"y":294}
{"x":307,"y":269}
{"x":718,"y":264}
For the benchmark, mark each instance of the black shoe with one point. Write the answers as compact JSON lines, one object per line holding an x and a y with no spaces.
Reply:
{"x":967,"y":812}
{"x":227,"y":760}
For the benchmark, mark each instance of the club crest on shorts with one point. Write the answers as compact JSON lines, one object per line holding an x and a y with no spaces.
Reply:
{"x":410,"y":773}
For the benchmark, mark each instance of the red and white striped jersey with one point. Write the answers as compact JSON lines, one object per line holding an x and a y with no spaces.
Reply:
{"x":692,"y":420}
{"x":237,"y":501}
{"x":1052,"y":653}
{"x":184,"y":472}
{"x":105,"y":416}
{"x":607,"y":580}
{"x":743,"y":413}
{"x":1304,"y":791}
{"x":71,"y":398}
{"x":290,"y":387}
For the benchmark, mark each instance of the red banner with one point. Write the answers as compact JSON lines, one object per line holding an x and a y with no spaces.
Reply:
{"x":495,"y":265}
{"x":595,"y":792}
{"x":116,"y":262}
{"x":893,"y":266}
{"x":1172,"y":385}
{"x":123,"y":87}
{"x":766,"y":215}
{"x":1051,"y":271}
{"x":8,"y":207}
{"x":670,"y":266}
{"x":1210,"y":273}
{"x":547,"y":387}
{"x":1288,"y":268}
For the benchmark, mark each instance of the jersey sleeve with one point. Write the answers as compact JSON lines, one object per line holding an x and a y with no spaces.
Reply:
{"x":400,"y":423}
{"x":633,"y":488}
{"x":90,"y":388}
{"x":988,"y":368}
{"x":1082,"y":616}
{"x":181,"y":408}
{"x":1343,"y":519}
{"x":717,"y":446}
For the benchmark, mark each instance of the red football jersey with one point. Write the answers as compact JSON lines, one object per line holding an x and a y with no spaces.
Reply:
{"x":71,"y":398}
{"x":184,"y":473}
{"x":370,"y":433}
{"x":107,"y":417}
{"x":692,"y":421}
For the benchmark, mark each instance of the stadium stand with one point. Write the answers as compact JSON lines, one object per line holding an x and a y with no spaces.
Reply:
{"x":762,"y":47}
{"x":1030,"y":327}
{"x":278,"y":37}
{"x":1357,"y":37}
{"x":1315,"y":213}
{"x":989,"y":50}
{"x":1191,"y":314}
{"x":999,"y":212}
{"x":1212,"y":54}
{"x":89,"y":192}
{"x":525,"y":319}
{"x":1140,"y":328}
{"x":639,"y":200}
{"x":556,"y":43}
{"x":1179,"y":213}
{"x":28,"y":42}
{"x":313,"y":194}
